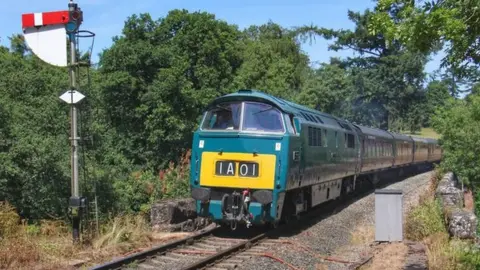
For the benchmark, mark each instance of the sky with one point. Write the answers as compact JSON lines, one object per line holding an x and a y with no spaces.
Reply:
{"x":106,"y":18}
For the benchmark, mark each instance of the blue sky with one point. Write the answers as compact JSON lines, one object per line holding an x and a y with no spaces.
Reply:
{"x":106,"y":17}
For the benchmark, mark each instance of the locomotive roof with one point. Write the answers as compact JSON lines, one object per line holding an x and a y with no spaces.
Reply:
{"x":300,"y":110}
{"x":255,"y":95}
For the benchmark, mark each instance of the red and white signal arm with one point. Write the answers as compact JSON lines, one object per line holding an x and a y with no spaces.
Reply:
{"x":46,"y":36}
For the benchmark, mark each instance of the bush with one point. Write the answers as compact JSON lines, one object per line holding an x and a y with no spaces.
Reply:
{"x":176,"y":180}
{"x":9,"y":220}
{"x":458,"y":123}
{"x":139,"y":191}
{"x":466,"y":254}
{"x":425,"y":220}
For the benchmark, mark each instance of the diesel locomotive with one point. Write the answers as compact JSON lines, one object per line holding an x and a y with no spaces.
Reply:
{"x":258,"y":159}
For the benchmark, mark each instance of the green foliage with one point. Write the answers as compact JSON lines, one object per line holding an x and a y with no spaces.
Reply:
{"x":459,"y":124}
{"x":428,"y":25}
{"x":143,"y":188}
{"x":425,"y":220}
{"x":326,"y":88}
{"x":176,"y":179}
{"x":467,"y":255}
{"x":383,"y":87}
{"x":436,"y":95}
{"x":272,"y":61}
{"x":34,"y":148}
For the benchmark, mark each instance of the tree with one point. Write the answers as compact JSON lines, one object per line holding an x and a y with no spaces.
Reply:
{"x":385,"y":78}
{"x":437,"y":94}
{"x":34,"y":172}
{"x":430,"y":26}
{"x":459,"y":123}
{"x":272,"y":61}
{"x":158,"y":77}
{"x":327,"y":89}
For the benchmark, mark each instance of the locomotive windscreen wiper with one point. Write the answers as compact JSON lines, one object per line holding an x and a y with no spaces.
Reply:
{"x":271,"y":107}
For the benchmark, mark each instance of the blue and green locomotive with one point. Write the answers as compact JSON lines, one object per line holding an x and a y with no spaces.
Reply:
{"x":258,"y":159}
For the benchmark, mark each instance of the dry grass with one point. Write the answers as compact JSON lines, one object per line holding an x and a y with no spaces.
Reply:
{"x":23,"y":246}
{"x":392,"y":256}
{"x":9,"y":220}
{"x":363,"y":234}
{"x":438,"y":251}
{"x":123,"y":233}
{"x":48,"y":245}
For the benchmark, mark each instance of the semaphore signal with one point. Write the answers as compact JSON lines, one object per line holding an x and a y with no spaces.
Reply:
{"x":45,"y":34}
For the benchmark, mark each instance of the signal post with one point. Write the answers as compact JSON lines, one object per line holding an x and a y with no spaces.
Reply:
{"x":45,"y":35}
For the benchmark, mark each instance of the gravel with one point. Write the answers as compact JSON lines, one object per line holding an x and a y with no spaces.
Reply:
{"x":347,"y":235}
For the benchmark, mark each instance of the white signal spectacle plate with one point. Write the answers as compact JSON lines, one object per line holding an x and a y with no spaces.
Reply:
{"x":49,"y":43}
{"x":72,"y":97}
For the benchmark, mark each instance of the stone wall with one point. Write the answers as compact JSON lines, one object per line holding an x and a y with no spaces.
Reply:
{"x":461,"y":222}
{"x":176,"y":215}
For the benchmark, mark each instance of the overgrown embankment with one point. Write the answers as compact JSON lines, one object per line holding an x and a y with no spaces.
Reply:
{"x":428,"y":223}
{"x":48,"y":245}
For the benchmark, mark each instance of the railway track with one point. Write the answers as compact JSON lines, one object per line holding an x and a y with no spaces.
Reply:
{"x":194,"y":252}
{"x":210,"y":249}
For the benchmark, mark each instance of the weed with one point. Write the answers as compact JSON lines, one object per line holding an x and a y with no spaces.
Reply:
{"x":18,"y":251}
{"x":438,"y":252}
{"x":466,"y":254}
{"x":9,"y":220}
{"x":123,"y":233}
{"x":425,"y":220}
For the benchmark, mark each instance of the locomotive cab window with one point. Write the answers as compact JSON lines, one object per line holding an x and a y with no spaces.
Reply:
{"x":262,"y":117}
{"x":253,"y":116}
{"x":225,"y":116}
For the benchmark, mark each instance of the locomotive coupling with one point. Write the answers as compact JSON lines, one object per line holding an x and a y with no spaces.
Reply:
{"x":235,"y":208}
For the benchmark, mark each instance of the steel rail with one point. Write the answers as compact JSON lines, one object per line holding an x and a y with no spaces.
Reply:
{"x":142,"y":256}
{"x":220,"y":256}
